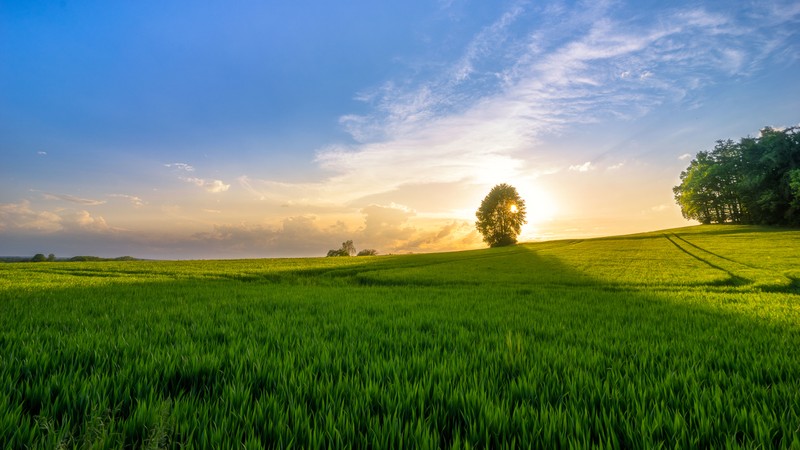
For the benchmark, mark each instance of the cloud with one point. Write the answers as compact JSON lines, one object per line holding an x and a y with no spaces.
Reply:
{"x":585,"y":167}
{"x":181,"y":166}
{"x":387,"y":224}
{"x":685,"y":156}
{"x":84,"y":220}
{"x":72,"y":199}
{"x":21,"y":217}
{"x":485,"y":114}
{"x":41,"y":153}
{"x":387,"y":228}
{"x":616,"y":166}
{"x":213,"y":186}
{"x":134,"y":200}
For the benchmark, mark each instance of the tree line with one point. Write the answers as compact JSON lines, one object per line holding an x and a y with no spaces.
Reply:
{"x":349,"y":249}
{"x":753,"y":181}
{"x":40,"y":257}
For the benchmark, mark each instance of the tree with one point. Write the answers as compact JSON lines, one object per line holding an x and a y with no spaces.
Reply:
{"x":39,"y":257}
{"x":51,"y":257}
{"x":501,"y":216}
{"x":367,"y":252}
{"x":348,"y":249}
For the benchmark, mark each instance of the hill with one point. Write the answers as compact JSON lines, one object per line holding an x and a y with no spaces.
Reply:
{"x":681,"y":338}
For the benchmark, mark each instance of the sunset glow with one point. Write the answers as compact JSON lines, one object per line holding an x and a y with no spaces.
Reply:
{"x":270,"y":129}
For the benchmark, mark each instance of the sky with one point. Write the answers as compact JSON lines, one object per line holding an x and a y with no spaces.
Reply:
{"x":198,"y":129}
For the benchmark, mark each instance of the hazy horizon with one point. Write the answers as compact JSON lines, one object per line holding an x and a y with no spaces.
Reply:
{"x":197,"y":130}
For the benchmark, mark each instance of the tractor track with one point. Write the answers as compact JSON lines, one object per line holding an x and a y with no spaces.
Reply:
{"x":741,"y":274}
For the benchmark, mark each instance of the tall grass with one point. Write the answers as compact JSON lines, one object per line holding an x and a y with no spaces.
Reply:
{"x":688,"y":338}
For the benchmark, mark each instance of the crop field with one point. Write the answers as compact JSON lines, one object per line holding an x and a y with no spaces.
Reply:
{"x":684,"y":338}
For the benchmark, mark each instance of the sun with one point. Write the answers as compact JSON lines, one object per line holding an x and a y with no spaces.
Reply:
{"x":513,"y":208}
{"x":541,"y":205}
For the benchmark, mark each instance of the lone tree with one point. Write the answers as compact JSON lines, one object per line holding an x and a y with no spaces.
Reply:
{"x":501,"y":216}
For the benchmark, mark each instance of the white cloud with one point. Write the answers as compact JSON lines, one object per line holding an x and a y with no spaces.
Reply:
{"x":41,"y":153}
{"x":213,"y":186}
{"x":685,"y":156}
{"x":181,"y":166}
{"x":585,"y":167}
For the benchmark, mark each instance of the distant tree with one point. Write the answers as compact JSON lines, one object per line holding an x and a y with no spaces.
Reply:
{"x":347,"y":249}
{"x":39,"y":257}
{"x":367,"y":252}
{"x":501,"y":216}
{"x":51,"y":257}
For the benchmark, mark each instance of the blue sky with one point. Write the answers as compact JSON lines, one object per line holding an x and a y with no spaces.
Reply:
{"x":246,"y":129}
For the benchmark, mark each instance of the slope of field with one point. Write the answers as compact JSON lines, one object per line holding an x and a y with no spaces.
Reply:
{"x":684,"y":338}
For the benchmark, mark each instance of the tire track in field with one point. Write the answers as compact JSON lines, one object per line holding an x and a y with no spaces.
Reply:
{"x":736,"y":279}
{"x":741,"y":274}
{"x":715,"y":254}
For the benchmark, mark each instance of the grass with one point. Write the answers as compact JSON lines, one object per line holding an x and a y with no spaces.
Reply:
{"x":685,"y":338}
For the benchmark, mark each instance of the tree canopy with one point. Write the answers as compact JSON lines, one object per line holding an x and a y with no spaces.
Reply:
{"x":501,"y":216}
{"x":755,"y":181}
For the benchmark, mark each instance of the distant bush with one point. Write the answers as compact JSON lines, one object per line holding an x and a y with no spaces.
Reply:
{"x":39,"y":257}
{"x":367,"y":252}
{"x":97,"y":258}
{"x":347,"y":249}
{"x":86,"y":258}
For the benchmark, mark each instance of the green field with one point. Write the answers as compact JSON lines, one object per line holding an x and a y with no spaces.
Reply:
{"x":686,"y":338}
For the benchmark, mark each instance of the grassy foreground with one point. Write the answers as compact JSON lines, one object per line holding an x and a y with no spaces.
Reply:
{"x":685,"y":338}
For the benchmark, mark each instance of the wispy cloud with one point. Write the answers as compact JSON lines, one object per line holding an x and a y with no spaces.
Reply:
{"x":41,"y":153}
{"x":483,"y":116}
{"x":212,"y":186}
{"x":134,"y":200}
{"x":616,"y":166}
{"x":72,"y":199}
{"x":180,"y":166}
{"x":685,"y":156}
